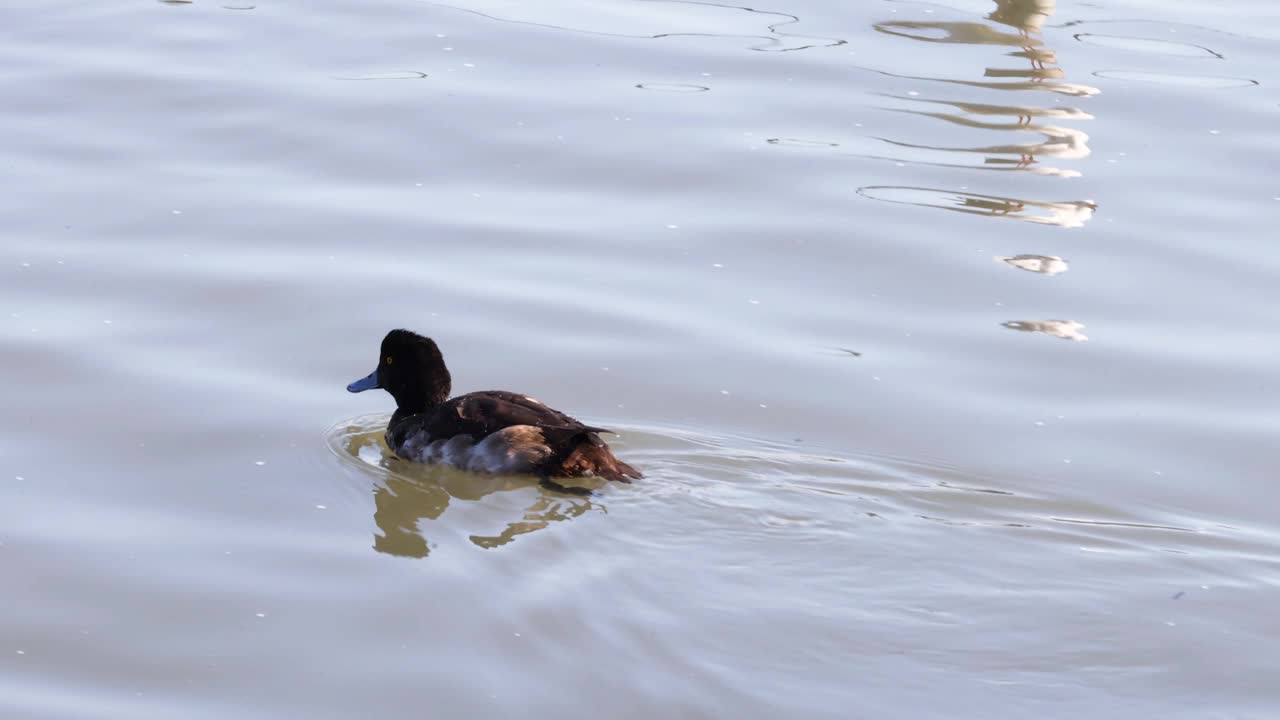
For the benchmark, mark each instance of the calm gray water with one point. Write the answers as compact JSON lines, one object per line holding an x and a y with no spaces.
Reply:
{"x":944,"y":332}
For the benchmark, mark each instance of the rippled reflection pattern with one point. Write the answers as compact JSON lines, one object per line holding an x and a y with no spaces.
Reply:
{"x":1041,"y":72}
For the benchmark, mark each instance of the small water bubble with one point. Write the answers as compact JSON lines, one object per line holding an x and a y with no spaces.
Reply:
{"x":18,"y":478}
{"x":260,"y":463}
{"x":717,"y":265}
{"x":754,"y":302}
{"x":440,"y":35}
{"x":177,"y":212}
{"x":1215,"y":132}
{"x":448,"y":49}
{"x":106,"y":322}
{"x":876,"y":378}
{"x":261,"y":615}
{"x":763,"y":405}
{"x":26,"y":264}
{"x":468,"y":65}
{"x":1039,"y":423}
{"x":517,"y":634}
{"x":912,"y":93}
{"x":22,"y":652}
{"x":724,"y":392}
{"x":1066,"y":460}
{"x":322,"y":507}
{"x":673,"y":227}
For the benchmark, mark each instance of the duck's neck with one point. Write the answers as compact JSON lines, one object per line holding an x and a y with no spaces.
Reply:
{"x":422,"y":399}
{"x":403,"y":413}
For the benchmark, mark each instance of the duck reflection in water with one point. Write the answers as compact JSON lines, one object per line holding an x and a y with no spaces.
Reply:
{"x":412,"y":493}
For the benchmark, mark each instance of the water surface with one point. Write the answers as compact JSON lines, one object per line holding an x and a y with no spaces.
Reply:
{"x":942,"y":332}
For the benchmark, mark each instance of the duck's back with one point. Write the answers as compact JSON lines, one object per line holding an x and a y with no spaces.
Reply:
{"x":502,"y":432}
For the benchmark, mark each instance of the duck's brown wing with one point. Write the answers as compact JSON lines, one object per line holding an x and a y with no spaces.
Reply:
{"x":480,"y":413}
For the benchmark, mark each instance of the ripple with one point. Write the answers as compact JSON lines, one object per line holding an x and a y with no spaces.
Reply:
{"x":1147,"y":45}
{"x":695,"y":18}
{"x":1071,"y":214}
{"x":1040,"y":81}
{"x":798,"y":142}
{"x":673,"y":87}
{"x":1213,"y":82}
{"x":397,"y":75}
{"x":1022,"y":113}
{"x":959,"y":33}
{"x":419,"y":509}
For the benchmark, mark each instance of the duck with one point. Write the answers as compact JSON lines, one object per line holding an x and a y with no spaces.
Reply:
{"x":492,"y":431}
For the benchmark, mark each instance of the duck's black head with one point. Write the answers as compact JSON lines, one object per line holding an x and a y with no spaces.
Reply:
{"x":412,"y":369}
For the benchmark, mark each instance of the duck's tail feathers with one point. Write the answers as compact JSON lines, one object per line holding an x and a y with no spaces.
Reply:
{"x":593,"y":457}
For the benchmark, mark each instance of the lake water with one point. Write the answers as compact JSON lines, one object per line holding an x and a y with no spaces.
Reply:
{"x":943,"y":332}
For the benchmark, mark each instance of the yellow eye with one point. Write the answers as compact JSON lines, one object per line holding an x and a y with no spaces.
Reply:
{"x":388,"y":359}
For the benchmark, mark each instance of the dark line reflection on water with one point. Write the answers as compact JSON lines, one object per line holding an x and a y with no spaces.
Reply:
{"x":774,"y":42}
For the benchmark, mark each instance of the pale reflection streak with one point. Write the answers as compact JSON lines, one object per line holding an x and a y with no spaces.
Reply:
{"x":1065,"y":329}
{"x":1042,"y":264}
{"x":410,"y":494}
